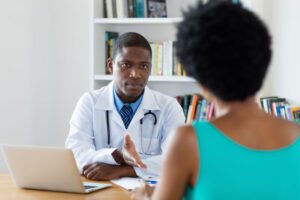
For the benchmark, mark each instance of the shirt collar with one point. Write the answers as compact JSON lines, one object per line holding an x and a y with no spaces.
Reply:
{"x":119,"y":103}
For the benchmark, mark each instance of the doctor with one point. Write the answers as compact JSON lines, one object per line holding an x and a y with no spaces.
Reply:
{"x":126,"y":106}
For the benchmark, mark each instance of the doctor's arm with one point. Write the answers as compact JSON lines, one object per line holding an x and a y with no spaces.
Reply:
{"x":81,"y":141}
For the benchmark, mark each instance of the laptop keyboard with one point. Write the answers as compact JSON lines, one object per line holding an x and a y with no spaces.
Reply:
{"x":89,"y":187}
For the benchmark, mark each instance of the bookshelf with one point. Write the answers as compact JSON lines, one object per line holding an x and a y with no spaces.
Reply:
{"x":154,"y":29}
{"x":171,"y":20}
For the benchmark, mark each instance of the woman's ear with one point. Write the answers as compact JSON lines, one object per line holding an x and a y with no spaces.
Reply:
{"x":109,"y":65}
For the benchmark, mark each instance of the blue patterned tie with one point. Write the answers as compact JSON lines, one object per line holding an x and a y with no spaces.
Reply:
{"x":125,"y":113}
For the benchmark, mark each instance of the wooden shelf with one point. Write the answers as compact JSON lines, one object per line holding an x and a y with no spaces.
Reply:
{"x":173,"y":20}
{"x":151,"y":78}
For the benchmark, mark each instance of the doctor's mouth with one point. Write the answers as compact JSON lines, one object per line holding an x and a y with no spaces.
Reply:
{"x":134,"y":86}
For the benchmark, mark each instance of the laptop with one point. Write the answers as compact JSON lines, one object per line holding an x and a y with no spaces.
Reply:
{"x":46,"y":168}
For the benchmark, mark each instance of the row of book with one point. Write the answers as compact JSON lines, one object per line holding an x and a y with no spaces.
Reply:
{"x":164,"y":61}
{"x":279,"y":107}
{"x":134,"y":8}
{"x":196,"y":108}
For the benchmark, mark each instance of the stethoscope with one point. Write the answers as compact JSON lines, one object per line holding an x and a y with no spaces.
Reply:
{"x":141,"y":136}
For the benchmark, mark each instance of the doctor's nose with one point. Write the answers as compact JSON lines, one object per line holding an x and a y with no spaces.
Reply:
{"x":134,"y":73}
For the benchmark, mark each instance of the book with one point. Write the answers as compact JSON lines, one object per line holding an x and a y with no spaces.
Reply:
{"x":274,"y":102}
{"x":192,"y":108}
{"x":280,"y":108}
{"x":156,"y":8}
{"x":296,"y":115}
{"x":265,"y":104}
{"x":295,"y":110}
{"x":114,"y":8}
{"x":179,"y":100}
{"x":122,"y":10}
{"x":186,"y":104}
{"x":130,"y":6}
{"x":210,"y":111}
{"x":109,"y":8}
{"x":104,"y":7}
{"x":159,"y":59}
{"x":202,"y":115}
{"x":164,"y":61}
{"x":139,"y":9}
{"x":198,"y":108}
{"x":288,"y":112}
{"x":110,"y":38}
{"x":280,"y":111}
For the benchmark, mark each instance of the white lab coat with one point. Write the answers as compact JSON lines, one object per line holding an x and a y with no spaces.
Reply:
{"x":88,"y":131}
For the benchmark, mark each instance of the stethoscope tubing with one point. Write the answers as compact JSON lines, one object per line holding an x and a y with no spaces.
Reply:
{"x":108,"y":128}
{"x":141,"y":123}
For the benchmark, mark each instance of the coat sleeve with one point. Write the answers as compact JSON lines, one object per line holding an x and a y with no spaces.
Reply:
{"x":173,"y":118}
{"x":81,"y":136}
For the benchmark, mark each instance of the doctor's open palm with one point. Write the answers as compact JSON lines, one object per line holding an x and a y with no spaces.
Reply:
{"x":130,"y":155}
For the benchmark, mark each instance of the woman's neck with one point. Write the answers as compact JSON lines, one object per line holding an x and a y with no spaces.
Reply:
{"x":223,"y":108}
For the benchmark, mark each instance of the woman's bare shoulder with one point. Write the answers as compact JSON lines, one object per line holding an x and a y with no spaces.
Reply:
{"x":185,"y":133}
{"x":185,"y":142}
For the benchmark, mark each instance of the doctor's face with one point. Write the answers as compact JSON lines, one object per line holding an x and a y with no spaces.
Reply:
{"x":131,"y":69}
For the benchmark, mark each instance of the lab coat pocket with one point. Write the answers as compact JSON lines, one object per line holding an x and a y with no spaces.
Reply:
{"x":150,"y":146}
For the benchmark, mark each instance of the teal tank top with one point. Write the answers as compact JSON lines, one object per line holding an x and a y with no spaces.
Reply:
{"x":230,"y":171}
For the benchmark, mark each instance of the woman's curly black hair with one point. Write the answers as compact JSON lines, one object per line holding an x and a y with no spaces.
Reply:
{"x":225,"y":47}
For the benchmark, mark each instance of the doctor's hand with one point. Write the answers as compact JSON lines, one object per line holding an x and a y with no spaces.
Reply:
{"x":103,"y":171}
{"x":130,"y":155}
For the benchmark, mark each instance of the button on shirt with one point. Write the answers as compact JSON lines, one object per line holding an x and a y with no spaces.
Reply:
{"x":119,"y":104}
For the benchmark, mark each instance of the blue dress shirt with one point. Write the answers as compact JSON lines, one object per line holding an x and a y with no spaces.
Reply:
{"x":119,"y":103}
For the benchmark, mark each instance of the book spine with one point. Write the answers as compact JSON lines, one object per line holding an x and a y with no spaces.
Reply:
{"x":210,"y":111}
{"x":139,"y":8}
{"x":121,"y":8}
{"x":202,"y":111}
{"x":198,"y":110}
{"x":160,"y":60}
{"x":193,"y":108}
{"x":109,"y":8}
{"x":130,"y":8}
{"x":114,"y":7}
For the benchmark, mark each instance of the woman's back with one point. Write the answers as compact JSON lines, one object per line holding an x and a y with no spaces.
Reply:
{"x":241,"y":163}
{"x":243,"y":153}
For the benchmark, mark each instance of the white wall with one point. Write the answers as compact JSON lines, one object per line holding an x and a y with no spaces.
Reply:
{"x":43,"y":68}
{"x":71,"y":57}
{"x":16,"y":72}
{"x":44,"y":63}
{"x":285,"y":69}
{"x":282,"y":18}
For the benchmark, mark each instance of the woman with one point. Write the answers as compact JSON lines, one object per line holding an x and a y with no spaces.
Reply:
{"x":243,"y":153}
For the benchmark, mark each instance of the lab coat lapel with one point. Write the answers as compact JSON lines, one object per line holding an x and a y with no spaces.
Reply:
{"x":115,"y":116}
{"x":136,"y":118}
{"x":106,"y":102}
{"x":106,"y":99}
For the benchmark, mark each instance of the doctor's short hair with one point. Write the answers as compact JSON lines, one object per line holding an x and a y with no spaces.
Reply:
{"x":225,"y":47}
{"x":130,"y":39}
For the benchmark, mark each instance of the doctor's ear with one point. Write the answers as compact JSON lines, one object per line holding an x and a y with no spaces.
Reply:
{"x":109,"y":65}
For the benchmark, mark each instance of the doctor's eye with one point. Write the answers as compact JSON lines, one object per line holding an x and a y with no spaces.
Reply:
{"x":124,"y":65}
{"x":145,"y":66}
